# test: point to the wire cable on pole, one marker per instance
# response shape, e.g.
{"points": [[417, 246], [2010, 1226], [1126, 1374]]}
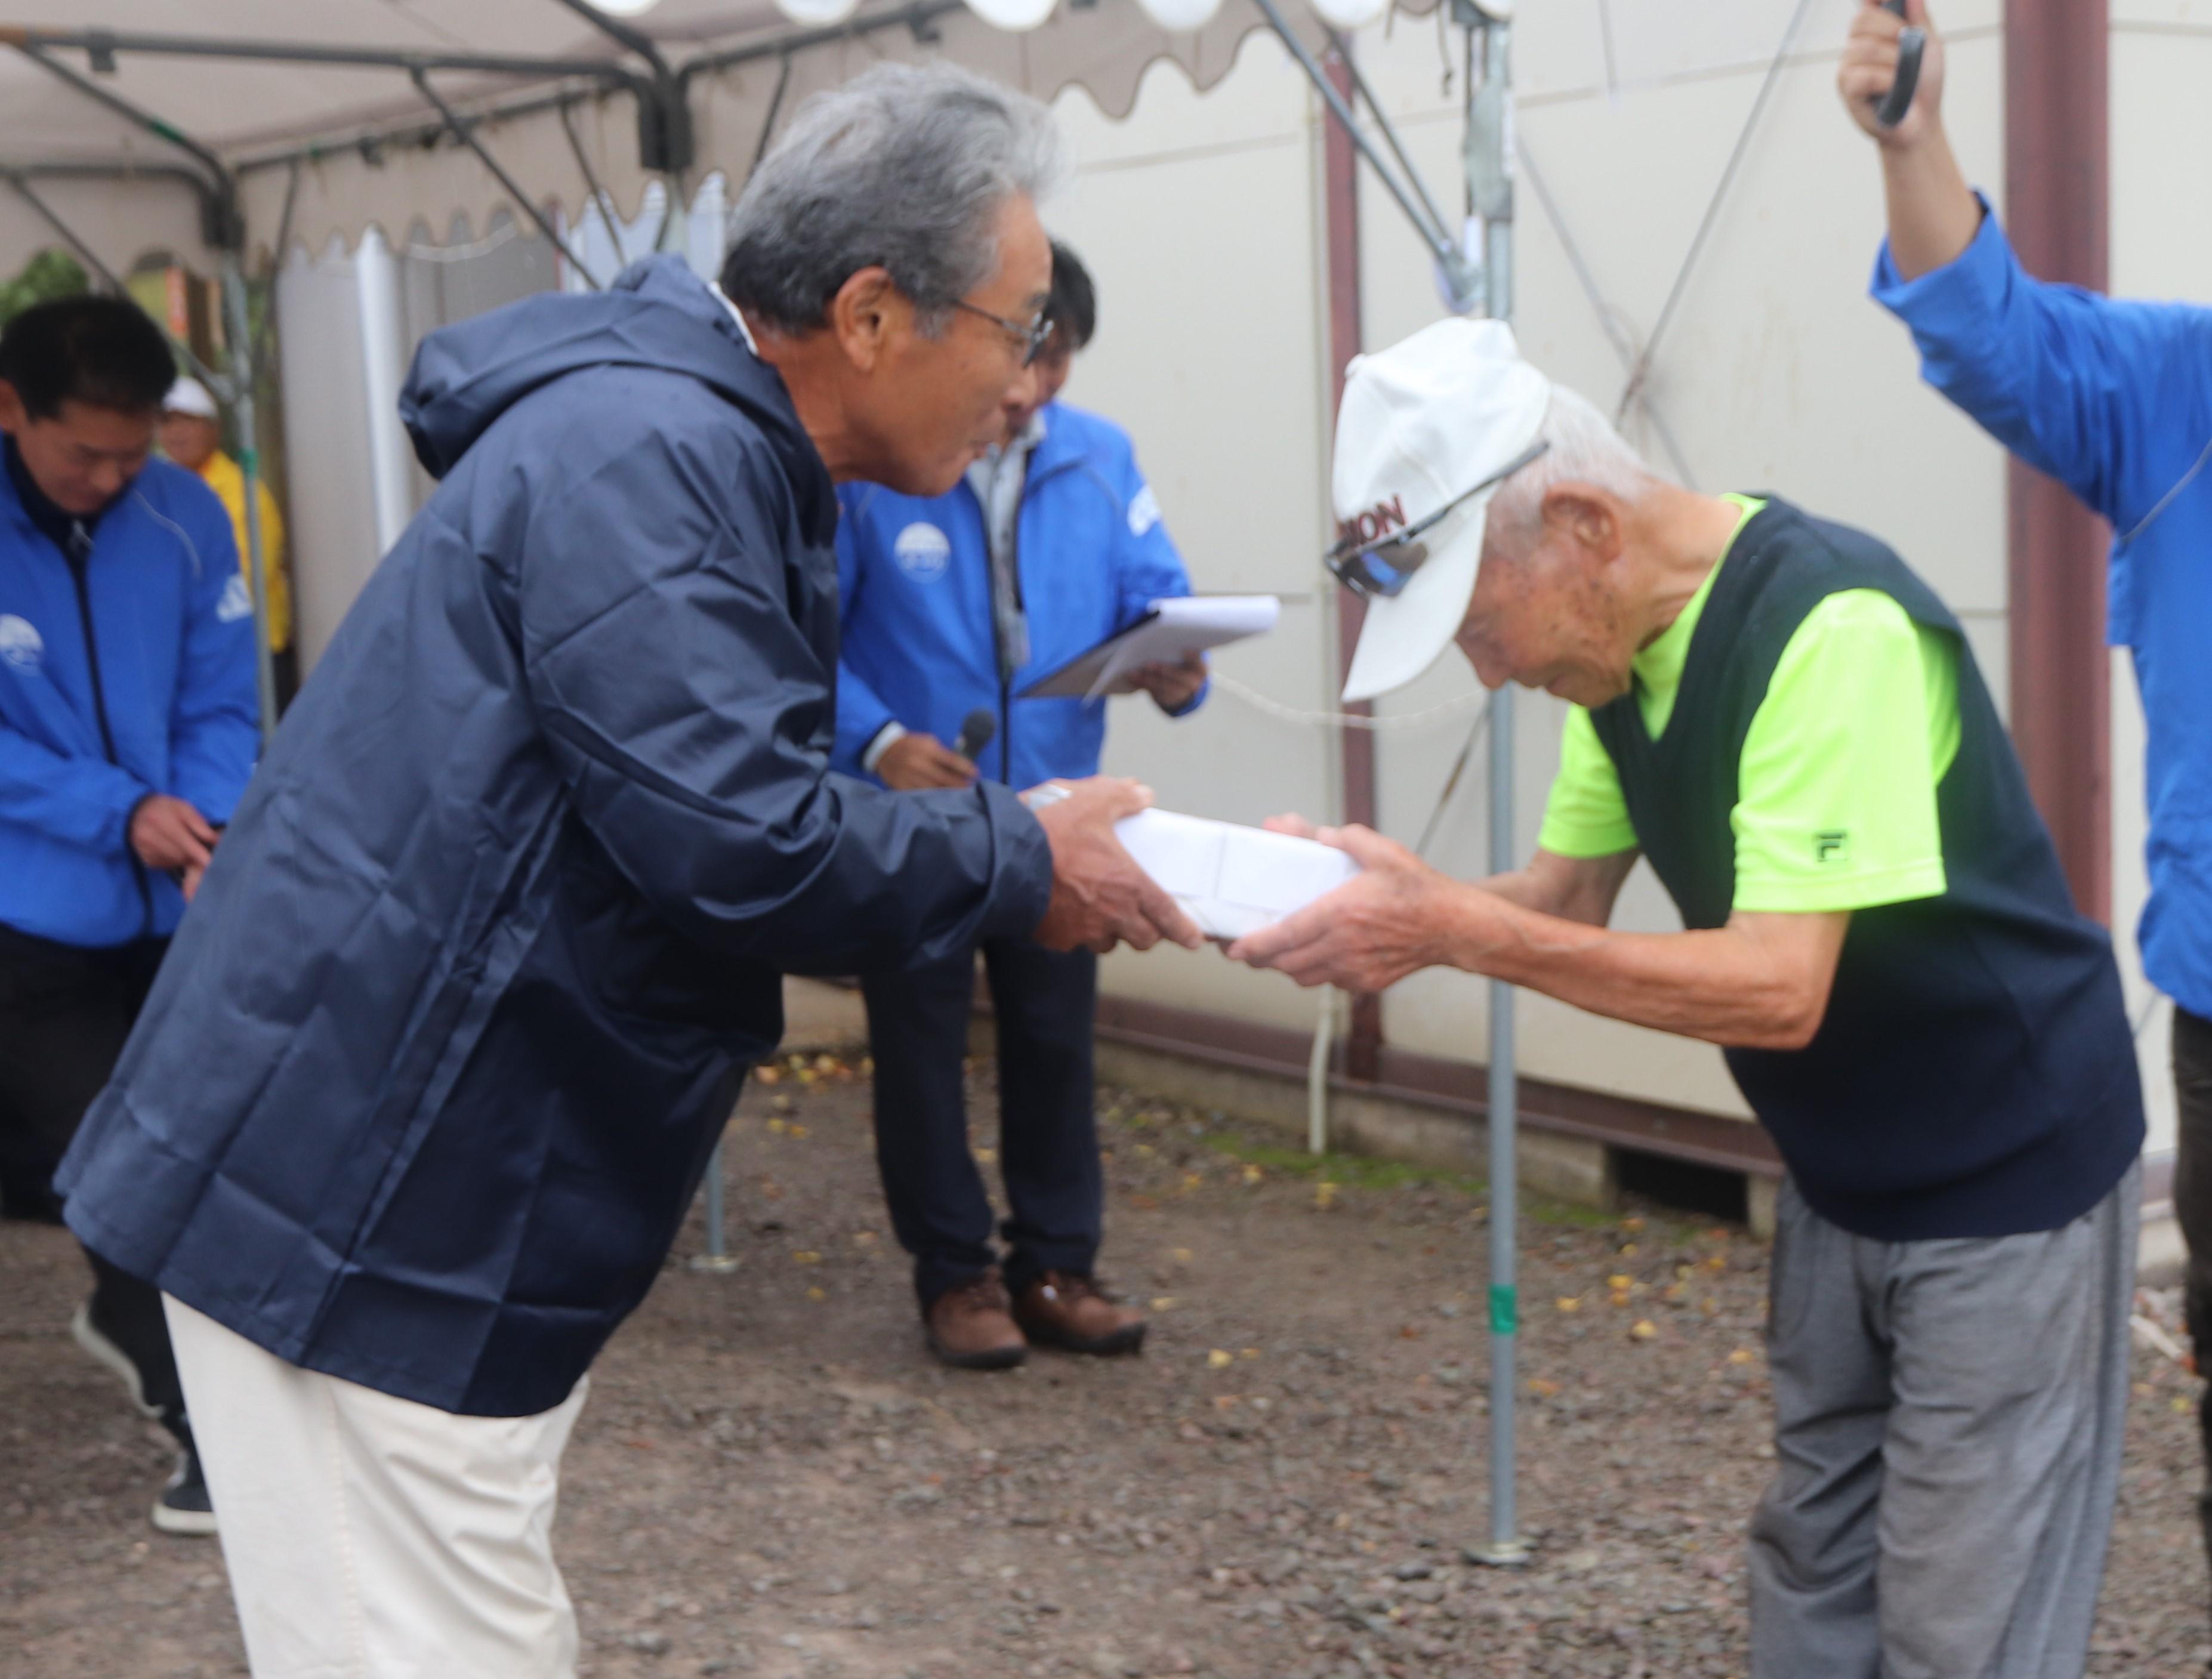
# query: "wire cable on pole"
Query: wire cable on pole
{"points": [[1642, 371], [1609, 319]]}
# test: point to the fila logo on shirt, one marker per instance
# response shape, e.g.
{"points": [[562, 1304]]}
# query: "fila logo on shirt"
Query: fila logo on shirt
{"points": [[922, 552], [1832, 845], [20, 644]]}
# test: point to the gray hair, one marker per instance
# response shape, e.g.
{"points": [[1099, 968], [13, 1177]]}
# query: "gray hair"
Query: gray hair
{"points": [[905, 166], [1584, 449]]}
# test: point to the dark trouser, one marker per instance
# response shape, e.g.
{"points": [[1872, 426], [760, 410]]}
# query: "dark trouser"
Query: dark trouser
{"points": [[65, 1014], [1048, 1128], [2192, 1205]]}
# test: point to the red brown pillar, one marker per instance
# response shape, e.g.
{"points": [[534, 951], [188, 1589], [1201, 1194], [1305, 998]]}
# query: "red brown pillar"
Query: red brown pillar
{"points": [[2057, 211]]}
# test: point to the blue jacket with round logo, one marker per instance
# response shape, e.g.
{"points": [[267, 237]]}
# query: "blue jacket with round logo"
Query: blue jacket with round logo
{"points": [[129, 676], [920, 647]]}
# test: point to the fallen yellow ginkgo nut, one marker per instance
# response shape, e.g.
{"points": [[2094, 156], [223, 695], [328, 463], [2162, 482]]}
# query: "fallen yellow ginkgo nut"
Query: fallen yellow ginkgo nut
{"points": [[1218, 1360], [1645, 1329]]}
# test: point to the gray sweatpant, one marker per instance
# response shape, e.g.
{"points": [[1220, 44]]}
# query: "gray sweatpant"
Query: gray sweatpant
{"points": [[1947, 1423]]}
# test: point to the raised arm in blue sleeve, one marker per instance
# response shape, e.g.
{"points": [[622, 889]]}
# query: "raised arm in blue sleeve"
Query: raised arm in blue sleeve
{"points": [[215, 719], [861, 714], [680, 696], [1149, 567], [2107, 396]]}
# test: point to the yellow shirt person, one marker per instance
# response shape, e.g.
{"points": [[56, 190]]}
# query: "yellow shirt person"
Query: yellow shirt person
{"points": [[191, 435]]}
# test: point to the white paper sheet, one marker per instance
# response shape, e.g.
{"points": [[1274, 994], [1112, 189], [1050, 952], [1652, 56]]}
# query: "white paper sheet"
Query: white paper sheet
{"points": [[1170, 631], [1233, 880]]}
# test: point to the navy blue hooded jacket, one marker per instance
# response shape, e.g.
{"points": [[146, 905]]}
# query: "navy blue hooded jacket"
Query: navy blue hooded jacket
{"points": [[436, 1062]]}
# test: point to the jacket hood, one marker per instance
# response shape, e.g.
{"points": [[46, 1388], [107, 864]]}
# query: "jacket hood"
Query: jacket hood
{"points": [[657, 314]]}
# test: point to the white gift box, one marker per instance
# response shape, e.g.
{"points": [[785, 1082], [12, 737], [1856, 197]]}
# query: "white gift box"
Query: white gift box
{"points": [[1232, 880]]}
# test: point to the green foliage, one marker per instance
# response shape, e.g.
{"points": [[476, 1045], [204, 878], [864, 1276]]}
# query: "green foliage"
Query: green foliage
{"points": [[49, 274]]}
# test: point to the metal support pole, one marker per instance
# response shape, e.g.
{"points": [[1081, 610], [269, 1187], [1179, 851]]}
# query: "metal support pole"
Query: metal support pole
{"points": [[1490, 197], [466, 135], [249, 466], [1458, 271], [717, 1259]]}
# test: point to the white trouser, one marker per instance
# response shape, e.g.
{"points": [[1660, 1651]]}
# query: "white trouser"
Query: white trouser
{"points": [[370, 1537]]}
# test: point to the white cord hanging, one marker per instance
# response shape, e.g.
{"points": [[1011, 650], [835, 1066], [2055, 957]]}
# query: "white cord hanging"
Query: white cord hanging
{"points": [[1290, 713]]}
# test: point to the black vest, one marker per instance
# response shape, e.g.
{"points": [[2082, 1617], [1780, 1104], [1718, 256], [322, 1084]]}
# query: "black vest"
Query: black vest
{"points": [[1974, 1075]]}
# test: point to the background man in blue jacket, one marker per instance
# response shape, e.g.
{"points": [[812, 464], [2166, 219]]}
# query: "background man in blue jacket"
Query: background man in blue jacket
{"points": [[128, 728], [2114, 399], [950, 605], [419, 1103]]}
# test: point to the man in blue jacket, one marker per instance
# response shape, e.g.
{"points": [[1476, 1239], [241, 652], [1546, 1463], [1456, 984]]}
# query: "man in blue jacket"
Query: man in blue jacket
{"points": [[415, 1114], [950, 605], [2113, 398], [127, 732]]}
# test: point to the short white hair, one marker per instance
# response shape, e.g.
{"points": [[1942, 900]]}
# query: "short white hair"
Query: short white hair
{"points": [[1584, 449]]}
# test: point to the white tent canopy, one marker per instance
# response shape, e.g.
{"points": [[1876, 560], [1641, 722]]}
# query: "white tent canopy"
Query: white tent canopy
{"points": [[319, 103]]}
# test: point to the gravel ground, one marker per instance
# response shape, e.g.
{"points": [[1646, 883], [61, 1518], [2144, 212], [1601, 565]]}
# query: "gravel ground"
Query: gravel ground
{"points": [[772, 1478]]}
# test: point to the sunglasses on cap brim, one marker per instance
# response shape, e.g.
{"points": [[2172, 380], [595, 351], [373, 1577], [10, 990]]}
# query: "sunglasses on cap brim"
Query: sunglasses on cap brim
{"points": [[1382, 567]]}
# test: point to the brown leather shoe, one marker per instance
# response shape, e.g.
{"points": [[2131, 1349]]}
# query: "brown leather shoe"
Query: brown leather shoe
{"points": [[1072, 1312], [971, 1328]]}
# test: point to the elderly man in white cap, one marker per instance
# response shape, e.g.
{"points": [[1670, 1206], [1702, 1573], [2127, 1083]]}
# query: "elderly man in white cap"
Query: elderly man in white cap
{"points": [[191, 435], [1785, 721]]}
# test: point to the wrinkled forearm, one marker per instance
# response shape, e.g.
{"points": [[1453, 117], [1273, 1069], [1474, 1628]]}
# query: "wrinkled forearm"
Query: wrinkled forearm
{"points": [[1724, 985]]}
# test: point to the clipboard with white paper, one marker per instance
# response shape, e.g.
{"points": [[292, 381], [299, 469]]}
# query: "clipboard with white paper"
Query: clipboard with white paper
{"points": [[1168, 632]]}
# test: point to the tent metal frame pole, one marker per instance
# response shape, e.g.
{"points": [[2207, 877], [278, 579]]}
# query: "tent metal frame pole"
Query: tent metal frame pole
{"points": [[108, 42], [249, 465], [1459, 273], [921, 17], [462, 132], [1489, 166]]}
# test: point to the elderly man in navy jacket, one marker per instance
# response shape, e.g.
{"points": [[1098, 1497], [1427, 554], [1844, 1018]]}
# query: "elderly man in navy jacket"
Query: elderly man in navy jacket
{"points": [[414, 1117], [950, 605], [127, 732]]}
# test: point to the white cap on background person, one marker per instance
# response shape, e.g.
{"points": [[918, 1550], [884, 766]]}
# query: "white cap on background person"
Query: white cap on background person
{"points": [[189, 395], [1426, 427]]}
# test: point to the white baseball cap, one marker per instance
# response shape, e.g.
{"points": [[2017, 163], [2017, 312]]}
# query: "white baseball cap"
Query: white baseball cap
{"points": [[189, 395], [1427, 428]]}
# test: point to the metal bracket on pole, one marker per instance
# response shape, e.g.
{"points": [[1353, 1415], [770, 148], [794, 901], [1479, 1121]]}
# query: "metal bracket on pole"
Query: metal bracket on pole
{"points": [[664, 114], [1465, 283], [466, 135]]}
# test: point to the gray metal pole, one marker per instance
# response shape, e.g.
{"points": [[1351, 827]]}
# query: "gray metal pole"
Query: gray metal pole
{"points": [[717, 1259], [1490, 193], [249, 466]]}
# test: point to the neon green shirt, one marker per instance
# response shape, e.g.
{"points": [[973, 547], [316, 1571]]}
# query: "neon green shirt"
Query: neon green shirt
{"points": [[1836, 805]]}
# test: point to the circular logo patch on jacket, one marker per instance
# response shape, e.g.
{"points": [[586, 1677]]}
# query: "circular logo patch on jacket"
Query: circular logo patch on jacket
{"points": [[922, 552], [20, 644]]}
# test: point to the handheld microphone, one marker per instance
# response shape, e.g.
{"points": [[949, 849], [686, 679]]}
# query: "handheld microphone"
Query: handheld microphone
{"points": [[975, 733], [1912, 46]]}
